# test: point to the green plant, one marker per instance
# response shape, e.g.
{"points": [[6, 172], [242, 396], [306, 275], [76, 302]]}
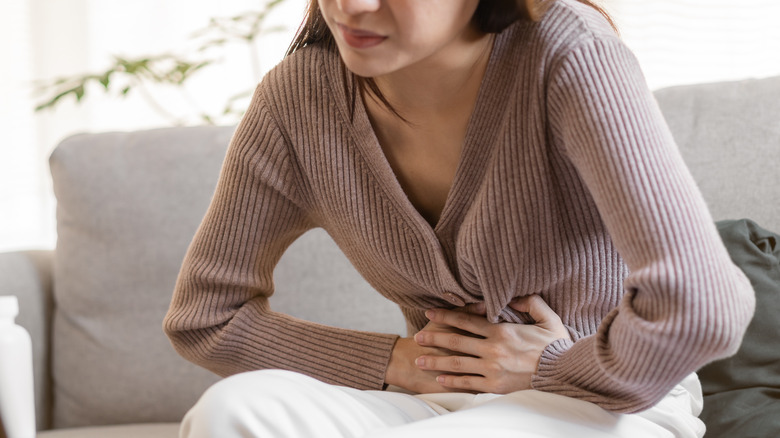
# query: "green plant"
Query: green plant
{"points": [[127, 75]]}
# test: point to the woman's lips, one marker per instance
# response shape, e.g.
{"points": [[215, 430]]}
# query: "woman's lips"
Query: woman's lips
{"points": [[360, 39]]}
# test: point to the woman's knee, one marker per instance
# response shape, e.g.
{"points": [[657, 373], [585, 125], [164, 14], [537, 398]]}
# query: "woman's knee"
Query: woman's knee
{"points": [[241, 402]]}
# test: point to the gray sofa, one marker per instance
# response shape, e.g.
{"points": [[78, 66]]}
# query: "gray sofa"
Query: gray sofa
{"points": [[128, 204]]}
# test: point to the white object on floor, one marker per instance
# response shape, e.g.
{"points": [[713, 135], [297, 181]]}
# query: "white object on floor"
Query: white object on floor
{"points": [[17, 400]]}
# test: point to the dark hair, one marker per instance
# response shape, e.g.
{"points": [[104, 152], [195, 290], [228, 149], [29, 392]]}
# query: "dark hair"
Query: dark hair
{"points": [[491, 16]]}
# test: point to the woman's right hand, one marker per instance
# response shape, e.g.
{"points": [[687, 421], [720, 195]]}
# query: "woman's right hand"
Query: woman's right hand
{"points": [[402, 370]]}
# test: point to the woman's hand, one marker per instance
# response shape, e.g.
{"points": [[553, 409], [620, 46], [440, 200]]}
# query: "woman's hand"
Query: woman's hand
{"points": [[402, 370], [501, 359]]}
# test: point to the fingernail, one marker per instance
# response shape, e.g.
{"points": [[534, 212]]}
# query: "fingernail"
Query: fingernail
{"points": [[420, 361], [440, 379], [430, 314]]}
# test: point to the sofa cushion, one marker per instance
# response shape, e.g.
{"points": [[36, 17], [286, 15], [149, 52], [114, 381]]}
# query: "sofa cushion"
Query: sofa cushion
{"points": [[164, 430], [128, 205], [315, 263], [729, 136]]}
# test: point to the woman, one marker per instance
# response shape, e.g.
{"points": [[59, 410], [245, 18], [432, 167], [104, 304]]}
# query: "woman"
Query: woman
{"points": [[500, 170]]}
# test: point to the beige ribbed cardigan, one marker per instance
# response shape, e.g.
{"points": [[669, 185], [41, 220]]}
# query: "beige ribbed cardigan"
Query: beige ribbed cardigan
{"points": [[570, 186]]}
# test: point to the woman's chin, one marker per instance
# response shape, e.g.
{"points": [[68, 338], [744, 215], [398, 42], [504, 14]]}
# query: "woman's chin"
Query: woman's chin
{"points": [[363, 70], [367, 66]]}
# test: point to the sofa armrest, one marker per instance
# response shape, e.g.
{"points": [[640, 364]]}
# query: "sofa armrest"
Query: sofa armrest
{"points": [[28, 275]]}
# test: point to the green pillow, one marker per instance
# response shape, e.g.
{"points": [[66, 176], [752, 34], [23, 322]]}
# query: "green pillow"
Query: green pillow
{"points": [[742, 392]]}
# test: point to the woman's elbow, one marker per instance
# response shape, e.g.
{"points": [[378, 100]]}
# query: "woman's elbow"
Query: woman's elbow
{"points": [[728, 316], [190, 343]]}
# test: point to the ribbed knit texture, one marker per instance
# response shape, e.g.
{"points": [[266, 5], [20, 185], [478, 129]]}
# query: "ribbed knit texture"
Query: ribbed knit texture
{"points": [[570, 186]]}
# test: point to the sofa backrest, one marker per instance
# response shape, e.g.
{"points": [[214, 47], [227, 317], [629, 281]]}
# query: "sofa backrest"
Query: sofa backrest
{"points": [[729, 135], [129, 204]]}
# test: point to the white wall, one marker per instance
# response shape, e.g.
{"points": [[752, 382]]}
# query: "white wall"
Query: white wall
{"points": [[677, 42], [691, 41], [46, 39], [23, 217]]}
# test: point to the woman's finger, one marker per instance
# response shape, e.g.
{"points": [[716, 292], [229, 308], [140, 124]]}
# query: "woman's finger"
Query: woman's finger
{"points": [[450, 341], [544, 316], [468, 383], [451, 364], [465, 321], [537, 308]]}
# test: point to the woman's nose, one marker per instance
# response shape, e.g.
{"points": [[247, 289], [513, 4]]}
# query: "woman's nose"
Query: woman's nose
{"points": [[354, 7]]}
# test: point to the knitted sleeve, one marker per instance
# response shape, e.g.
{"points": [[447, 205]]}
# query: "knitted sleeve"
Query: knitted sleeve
{"points": [[219, 317], [685, 303]]}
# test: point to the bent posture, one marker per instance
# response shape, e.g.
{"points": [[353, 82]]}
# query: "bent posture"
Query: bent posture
{"points": [[498, 169]]}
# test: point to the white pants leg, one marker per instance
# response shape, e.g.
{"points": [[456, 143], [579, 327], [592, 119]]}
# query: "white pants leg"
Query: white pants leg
{"points": [[281, 404], [535, 414]]}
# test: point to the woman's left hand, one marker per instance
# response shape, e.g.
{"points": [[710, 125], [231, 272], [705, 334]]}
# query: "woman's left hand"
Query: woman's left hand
{"points": [[502, 358]]}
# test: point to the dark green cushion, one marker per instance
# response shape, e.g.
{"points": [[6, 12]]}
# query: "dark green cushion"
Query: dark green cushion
{"points": [[742, 392]]}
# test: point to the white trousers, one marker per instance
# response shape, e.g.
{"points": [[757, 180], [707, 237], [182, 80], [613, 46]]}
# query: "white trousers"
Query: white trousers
{"points": [[283, 404]]}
